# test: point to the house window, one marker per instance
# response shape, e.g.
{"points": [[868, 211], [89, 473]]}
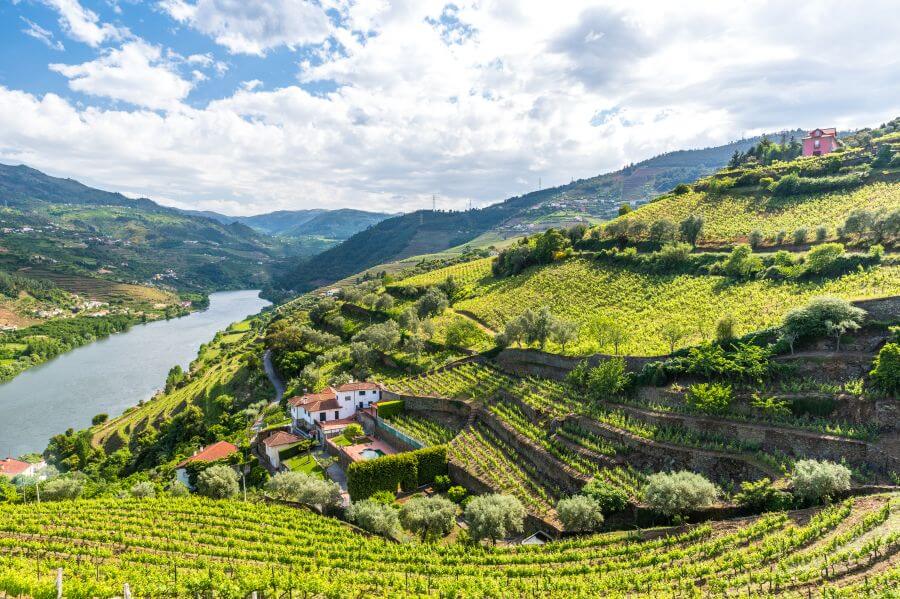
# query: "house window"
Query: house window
{"points": [[336, 414], [817, 143], [323, 416], [362, 392]]}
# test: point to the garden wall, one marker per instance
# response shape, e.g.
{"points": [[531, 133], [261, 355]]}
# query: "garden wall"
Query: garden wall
{"points": [[419, 403]]}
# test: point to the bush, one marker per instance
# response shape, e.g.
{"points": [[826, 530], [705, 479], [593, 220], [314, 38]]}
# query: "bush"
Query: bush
{"points": [[429, 517], [823, 258], [494, 517], [383, 497], [610, 499], [725, 328], [305, 489], [99, 419], [674, 494], [821, 234], [375, 517], [761, 496], [62, 488], [218, 482], [800, 236], [815, 481], [607, 379], [712, 398], [178, 489], [579, 513], [756, 239], [431, 462], [886, 368], [442, 482], [352, 431], [681, 189], [456, 494], [143, 489], [382, 474]]}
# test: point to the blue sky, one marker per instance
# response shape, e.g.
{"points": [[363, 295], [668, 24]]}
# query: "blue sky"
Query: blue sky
{"points": [[245, 107]]}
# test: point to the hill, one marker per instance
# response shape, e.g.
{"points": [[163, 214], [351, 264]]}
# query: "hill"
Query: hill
{"points": [[582, 201], [60, 226]]}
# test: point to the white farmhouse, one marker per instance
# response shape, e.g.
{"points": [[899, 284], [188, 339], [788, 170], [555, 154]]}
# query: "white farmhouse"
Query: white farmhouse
{"points": [[213, 453], [313, 410], [275, 443]]}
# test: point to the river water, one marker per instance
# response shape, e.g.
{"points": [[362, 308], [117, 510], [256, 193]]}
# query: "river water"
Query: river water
{"points": [[110, 375]]}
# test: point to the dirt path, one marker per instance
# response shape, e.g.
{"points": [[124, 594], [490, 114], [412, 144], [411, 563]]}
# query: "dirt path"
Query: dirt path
{"points": [[469, 316]]}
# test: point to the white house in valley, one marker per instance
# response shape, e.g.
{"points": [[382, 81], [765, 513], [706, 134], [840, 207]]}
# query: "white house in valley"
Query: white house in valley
{"points": [[12, 468], [311, 411], [276, 442], [215, 452]]}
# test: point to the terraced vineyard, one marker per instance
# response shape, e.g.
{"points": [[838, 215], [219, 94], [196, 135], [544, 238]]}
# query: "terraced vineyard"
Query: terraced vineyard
{"points": [[466, 273], [425, 430], [732, 217], [182, 547], [645, 303]]}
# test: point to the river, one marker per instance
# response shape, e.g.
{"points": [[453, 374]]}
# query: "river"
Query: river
{"points": [[109, 375]]}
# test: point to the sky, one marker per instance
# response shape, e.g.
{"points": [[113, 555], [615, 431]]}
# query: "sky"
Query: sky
{"points": [[245, 107]]}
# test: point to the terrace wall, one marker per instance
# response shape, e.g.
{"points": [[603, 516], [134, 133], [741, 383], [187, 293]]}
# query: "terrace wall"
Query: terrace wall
{"points": [[525, 362], [425, 403]]}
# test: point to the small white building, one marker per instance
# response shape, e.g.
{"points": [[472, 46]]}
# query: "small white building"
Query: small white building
{"points": [[12, 468], [275, 443], [334, 403], [215, 452]]}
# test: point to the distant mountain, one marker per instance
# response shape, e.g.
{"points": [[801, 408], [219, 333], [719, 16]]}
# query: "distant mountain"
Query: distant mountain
{"points": [[585, 200], [62, 226], [319, 222]]}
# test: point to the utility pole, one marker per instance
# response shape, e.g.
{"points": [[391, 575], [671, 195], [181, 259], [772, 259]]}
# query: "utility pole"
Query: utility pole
{"points": [[37, 489], [539, 183], [244, 481], [433, 204]]}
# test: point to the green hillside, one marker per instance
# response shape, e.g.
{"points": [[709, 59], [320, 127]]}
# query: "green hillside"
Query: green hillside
{"points": [[584, 201]]}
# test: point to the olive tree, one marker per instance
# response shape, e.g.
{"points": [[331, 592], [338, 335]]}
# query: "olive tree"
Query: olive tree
{"points": [[375, 517], [62, 488], [429, 517], [675, 493], [814, 480], [218, 482], [305, 489], [494, 517], [580, 513], [143, 489]]}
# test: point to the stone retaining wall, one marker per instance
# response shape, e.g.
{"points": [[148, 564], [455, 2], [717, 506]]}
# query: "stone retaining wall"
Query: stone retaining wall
{"points": [[885, 309], [524, 362], [424, 403]]}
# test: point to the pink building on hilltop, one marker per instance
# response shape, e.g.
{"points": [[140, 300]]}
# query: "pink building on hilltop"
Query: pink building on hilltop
{"points": [[820, 141]]}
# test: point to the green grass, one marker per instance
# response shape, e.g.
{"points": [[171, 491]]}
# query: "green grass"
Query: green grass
{"points": [[304, 463], [581, 290]]}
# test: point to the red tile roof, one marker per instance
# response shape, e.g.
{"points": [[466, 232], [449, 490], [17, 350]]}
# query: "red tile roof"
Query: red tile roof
{"points": [[11, 467], [828, 131], [216, 451], [316, 402], [333, 424], [280, 438], [358, 386]]}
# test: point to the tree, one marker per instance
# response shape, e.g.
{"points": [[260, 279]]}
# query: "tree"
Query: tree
{"points": [[616, 333], [690, 229], [67, 487], [375, 517], [305, 489], [858, 223], [143, 489], [432, 303], [218, 482], [429, 517], [624, 208], [607, 379], [576, 233], [563, 332], [812, 319], [662, 231], [837, 329], [675, 493], [549, 245], [822, 258], [383, 337], [725, 328], [673, 332], [755, 239], [886, 368], [494, 517], [815, 480], [99, 419], [462, 332], [741, 263], [761, 496], [384, 303], [353, 430], [579, 513], [821, 234], [800, 236]]}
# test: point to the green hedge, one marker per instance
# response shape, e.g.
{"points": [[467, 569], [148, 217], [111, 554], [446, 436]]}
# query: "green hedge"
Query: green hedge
{"points": [[382, 474], [295, 449], [386, 409], [431, 462]]}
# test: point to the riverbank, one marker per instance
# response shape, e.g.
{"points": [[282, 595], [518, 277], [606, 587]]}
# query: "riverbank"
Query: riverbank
{"points": [[110, 375]]}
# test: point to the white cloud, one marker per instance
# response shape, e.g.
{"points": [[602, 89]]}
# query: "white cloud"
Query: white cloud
{"points": [[39, 33], [84, 25], [137, 73], [246, 27], [473, 103]]}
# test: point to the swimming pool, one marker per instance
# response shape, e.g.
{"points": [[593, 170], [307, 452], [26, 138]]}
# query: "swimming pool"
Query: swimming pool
{"points": [[370, 454]]}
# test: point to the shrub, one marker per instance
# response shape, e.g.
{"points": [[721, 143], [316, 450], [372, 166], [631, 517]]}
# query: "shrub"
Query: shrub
{"points": [[382, 474], [305, 489], [494, 517], [442, 482], [756, 239], [800, 236], [675, 493], [62, 488], [740, 263], [681, 189], [429, 517], [99, 419], [579, 513], [375, 517], [725, 328], [218, 482], [456, 494], [712, 398], [352, 431], [383, 497], [178, 489], [817, 480], [761, 496], [607, 379], [886, 368], [823, 258], [431, 462], [812, 320], [821, 234], [610, 499], [143, 489]]}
